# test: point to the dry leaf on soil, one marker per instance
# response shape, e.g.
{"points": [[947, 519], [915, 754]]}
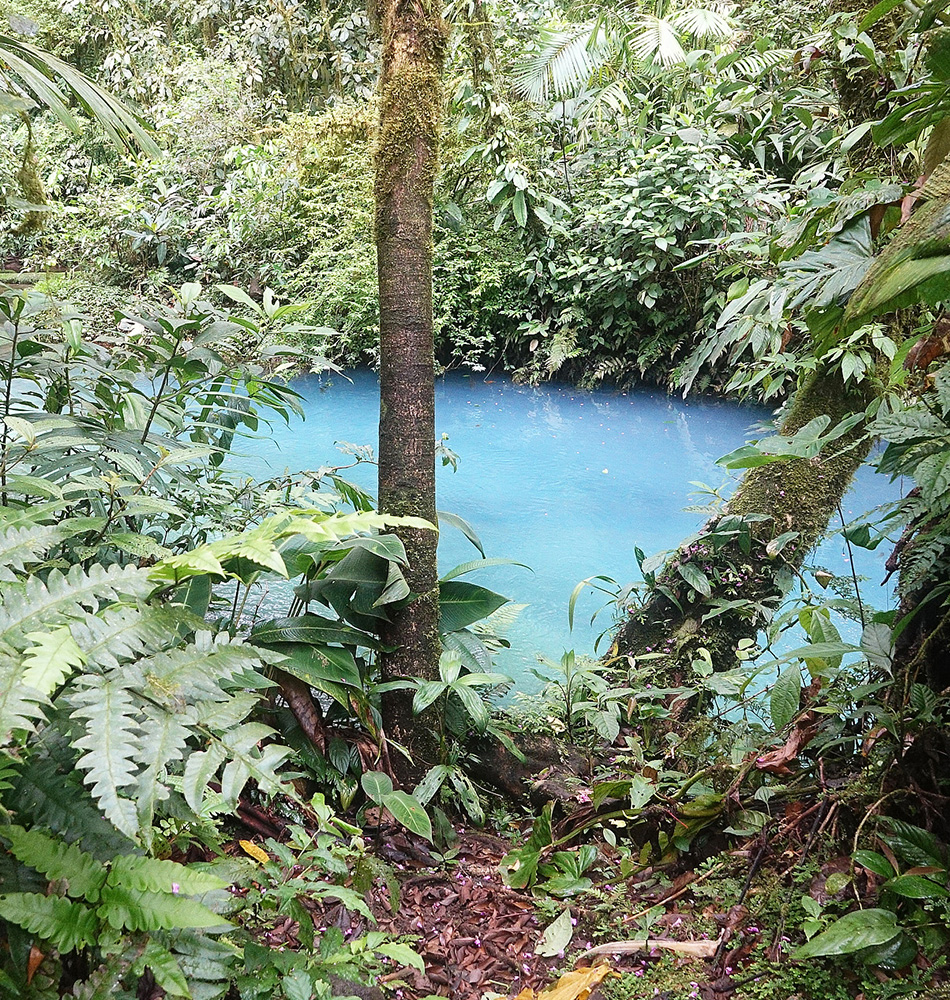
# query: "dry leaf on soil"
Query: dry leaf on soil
{"points": [[571, 986]]}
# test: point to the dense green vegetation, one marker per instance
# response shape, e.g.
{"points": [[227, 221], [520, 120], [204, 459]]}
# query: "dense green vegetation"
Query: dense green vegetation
{"points": [[749, 202]]}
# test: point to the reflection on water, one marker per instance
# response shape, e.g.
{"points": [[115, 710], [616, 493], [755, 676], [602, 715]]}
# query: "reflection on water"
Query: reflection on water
{"points": [[564, 480]]}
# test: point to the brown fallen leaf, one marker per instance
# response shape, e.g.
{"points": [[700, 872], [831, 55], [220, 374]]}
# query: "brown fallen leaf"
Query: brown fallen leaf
{"points": [[33, 963], [691, 949], [571, 986]]}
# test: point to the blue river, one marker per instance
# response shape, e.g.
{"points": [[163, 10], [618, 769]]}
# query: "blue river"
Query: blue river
{"points": [[564, 480]]}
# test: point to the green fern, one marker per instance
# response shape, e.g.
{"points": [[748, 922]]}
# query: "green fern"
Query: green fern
{"points": [[68, 925], [57, 860], [38, 602], [110, 744]]}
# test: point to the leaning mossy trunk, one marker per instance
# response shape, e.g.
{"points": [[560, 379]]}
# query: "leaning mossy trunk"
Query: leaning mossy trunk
{"points": [[732, 557], [410, 112]]}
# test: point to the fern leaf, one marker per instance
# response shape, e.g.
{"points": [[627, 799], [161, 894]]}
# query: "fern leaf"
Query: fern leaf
{"points": [[110, 746], [148, 875], [50, 660], [200, 768], [195, 673], [19, 705], [165, 969], [37, 602], [68, 925], [57, 860], [120, 634], [163, 740], [49, 792], [261, 764], [22, 546], [233, 780], [142, 910]]}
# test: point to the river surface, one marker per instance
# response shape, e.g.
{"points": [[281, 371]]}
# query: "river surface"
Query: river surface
{"points": [[564, 480]]}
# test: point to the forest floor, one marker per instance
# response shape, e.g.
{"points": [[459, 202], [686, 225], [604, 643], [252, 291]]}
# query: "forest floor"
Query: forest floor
{"points": [[721, 930]]}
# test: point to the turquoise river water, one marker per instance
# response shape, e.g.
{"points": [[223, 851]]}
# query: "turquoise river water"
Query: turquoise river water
{"points": [[563, 480]]}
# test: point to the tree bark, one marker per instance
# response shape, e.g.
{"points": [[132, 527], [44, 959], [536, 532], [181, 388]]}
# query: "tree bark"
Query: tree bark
{"points": [[410, 112], [797, 495]]}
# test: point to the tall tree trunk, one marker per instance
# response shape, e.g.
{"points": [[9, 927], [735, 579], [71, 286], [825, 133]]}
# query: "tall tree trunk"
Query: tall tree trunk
{"points": [[410, 112], [798, 495]]}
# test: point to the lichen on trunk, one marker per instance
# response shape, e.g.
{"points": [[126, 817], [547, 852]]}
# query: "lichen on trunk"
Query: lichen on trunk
{"points": [[406, 160]]}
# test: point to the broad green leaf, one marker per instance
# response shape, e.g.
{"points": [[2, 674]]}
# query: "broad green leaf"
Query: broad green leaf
{"points": [[520, 209], [434, 779], [474, 705], [786, 697], [376, 785], [310, 628], [426, 694], [462, 604], [407, 811], [470, 567], [874, 862], [853, 932], [402, 954], [454, 521], [695, 577], [916, 887], [320, 666]]}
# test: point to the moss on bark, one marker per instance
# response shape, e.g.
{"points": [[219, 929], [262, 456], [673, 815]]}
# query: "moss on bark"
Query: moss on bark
{"points": [[406, 161], [799, 495]]}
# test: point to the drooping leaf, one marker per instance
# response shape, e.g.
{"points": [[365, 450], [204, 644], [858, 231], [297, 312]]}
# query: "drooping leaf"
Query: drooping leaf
{"points": [[785, 698]]}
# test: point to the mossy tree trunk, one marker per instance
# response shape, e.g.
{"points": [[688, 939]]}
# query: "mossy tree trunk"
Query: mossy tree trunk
{"points": [[799, 495], [410, 111]]}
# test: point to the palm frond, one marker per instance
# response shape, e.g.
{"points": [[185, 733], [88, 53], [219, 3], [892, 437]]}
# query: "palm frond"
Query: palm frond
{"points": [[36, 72], [702, 22], [655, 40], [566, 59]]}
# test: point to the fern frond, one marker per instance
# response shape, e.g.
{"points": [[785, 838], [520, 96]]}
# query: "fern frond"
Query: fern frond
{"points": [[163, 741], [142, 910], [149, 875], [19, 705], [68, 925], [110, 744], [196, 672], [165, 968], [57, 860], [37, 601], [124, 633], [200, 768], [50, 660], [21, 546], [262, 763]]}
